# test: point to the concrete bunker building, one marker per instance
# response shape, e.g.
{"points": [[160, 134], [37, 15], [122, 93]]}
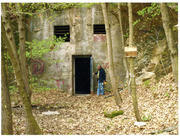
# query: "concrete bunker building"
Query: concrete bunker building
{"points": [[84, 48]]}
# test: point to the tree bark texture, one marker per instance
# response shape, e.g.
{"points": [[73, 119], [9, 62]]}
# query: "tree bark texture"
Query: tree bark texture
{"points": [[168, 28], [6, 112], [17, 68], [118, 98], [23, 61], [131, 61], [122, 40]]}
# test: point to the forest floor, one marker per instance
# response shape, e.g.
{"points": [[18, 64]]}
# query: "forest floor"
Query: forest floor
{"points": [[84, 115]]}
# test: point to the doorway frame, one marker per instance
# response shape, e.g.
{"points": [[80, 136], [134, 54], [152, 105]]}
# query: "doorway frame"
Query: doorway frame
{"points": [[73, 73]]}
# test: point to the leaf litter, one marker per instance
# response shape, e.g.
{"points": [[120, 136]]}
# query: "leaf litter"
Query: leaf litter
{"points": [[83, 115]]}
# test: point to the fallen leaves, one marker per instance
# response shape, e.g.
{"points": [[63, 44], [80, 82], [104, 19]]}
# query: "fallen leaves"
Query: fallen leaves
{"points": [[83, 115]]}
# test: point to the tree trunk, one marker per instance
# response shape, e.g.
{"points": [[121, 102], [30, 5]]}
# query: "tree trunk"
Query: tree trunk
{"points": [[17, 68], [168, 28], [110, 55], [6, 114], [23, 61], [29, 39], [131, 61], [122, 40]]}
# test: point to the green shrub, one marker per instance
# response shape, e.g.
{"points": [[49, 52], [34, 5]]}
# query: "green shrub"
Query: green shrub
{"points": [[145, 119], [167, 94], [146, 83]]}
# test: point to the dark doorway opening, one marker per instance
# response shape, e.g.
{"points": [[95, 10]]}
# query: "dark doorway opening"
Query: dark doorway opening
{"points": [[82, 75]]}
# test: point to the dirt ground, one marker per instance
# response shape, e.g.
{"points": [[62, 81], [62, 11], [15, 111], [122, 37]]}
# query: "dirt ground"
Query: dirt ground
{"points": [[83, 115]]}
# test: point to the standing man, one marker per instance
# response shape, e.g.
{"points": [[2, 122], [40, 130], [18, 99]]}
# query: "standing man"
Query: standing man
{"points": [[101, 78]]}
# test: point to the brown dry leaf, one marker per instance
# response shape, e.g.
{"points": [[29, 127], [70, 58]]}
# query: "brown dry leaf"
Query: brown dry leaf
{"points": [[83, 115]]}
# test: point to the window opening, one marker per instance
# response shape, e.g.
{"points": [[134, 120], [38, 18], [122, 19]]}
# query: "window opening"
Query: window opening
{"points": [[62, 31], [99, 29]]}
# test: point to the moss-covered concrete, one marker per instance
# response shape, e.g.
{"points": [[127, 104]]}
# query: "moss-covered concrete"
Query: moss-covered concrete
{"points": [[82, 42], [113, 113]]}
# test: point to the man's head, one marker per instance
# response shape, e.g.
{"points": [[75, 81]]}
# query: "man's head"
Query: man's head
{"points": [[99, 67]]}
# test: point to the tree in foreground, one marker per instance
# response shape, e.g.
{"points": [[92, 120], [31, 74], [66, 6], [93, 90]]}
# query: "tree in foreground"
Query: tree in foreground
{"points": [[6, 115], [118, 98], [33, 127], [131, 62], [122, 43], [168, 28]]}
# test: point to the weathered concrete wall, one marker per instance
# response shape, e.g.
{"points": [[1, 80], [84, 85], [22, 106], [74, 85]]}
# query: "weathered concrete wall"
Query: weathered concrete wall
{"points": [[82, 42]]}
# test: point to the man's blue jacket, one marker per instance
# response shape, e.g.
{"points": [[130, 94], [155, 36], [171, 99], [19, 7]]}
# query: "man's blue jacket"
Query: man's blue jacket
{"points": [[102, 75]]}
